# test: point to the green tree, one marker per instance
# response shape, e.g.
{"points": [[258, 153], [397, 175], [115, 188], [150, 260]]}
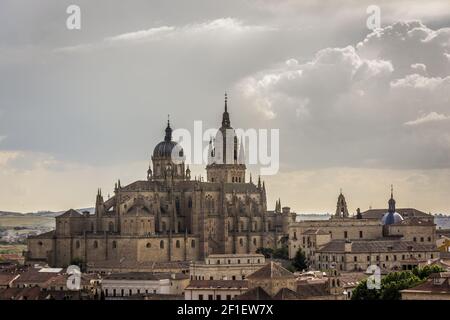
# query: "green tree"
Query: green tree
{"points": [[299, 262], [393, 283], [267, 252], [281, 253]]}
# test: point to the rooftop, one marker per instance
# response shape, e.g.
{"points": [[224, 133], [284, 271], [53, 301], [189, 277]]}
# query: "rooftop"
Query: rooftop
{"points": [[271, 270]]}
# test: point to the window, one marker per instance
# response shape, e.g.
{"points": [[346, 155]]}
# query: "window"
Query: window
{"points": [[219, 297], [429, 239], [114, 244], [421, 239], [355, 258], [415, 239], [77, 244], [111, 227], [387, 258], [148, 245], [254, 241], [360, 234], [192, 243], [395, 257], [161, 244], [368, 258], [345, 234], [241, 242], [177, 244], [200, 297], [95, 244], [210, 297], [228, 296]]}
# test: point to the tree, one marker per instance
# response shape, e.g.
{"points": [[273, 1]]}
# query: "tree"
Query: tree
{"points": [[299, 262], [281, 253], [393, 283], [267, 252]]}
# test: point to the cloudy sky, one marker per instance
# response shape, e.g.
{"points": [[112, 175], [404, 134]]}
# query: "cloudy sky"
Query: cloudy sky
{"points": [[357, 109]]}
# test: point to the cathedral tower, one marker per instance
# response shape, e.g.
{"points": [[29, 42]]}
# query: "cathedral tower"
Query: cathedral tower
{"points": [[225, 159]]}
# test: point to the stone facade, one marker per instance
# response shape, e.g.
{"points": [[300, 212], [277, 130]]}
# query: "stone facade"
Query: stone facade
{"points": [[354, 243], [226, 266], [169, 216]]}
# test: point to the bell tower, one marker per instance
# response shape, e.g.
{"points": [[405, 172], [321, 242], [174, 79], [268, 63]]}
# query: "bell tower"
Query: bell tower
{"points": [[225, 158]]}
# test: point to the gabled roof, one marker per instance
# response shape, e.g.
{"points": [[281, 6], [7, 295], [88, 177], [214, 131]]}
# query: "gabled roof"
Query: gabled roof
{"points": [[287, 294], [257, 293], [270, 271], [70, 213]]}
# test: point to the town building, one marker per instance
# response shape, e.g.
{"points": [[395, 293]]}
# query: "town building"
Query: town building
{"points": [[226, 266], [386, 238], [143, 283], [215, 289]]}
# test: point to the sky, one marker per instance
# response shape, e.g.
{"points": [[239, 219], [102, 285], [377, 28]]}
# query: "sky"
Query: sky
{"points": [[357, 109]]}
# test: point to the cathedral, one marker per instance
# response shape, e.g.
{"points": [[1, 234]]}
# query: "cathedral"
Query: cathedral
{"points": [[170, 217]]}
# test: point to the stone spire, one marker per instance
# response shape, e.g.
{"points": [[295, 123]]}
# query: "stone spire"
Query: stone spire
{"points": [[391, 201], [168, 136], [226, 116]]}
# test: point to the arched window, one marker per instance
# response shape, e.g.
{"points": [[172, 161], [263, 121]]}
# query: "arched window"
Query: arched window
{"points": [[254, 241], [192, 243], [161, 244], [114, 244], [148, 245], [95, 244], [77, 244], [177, 244], [241, 242]]}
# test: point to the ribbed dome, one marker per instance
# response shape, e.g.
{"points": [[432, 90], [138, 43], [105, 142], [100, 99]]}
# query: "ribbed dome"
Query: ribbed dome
{"points": [[164, 149], [391, 218], [168, 148]]}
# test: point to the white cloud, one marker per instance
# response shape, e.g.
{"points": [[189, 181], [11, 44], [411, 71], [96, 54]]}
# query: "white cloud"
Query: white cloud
{"points": [[348, 106], [223, 27], [431, 117]]}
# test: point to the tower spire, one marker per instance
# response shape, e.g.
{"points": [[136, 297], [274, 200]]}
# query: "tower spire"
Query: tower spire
{"points": [[226, 116], [168, 136], [392, 191]]}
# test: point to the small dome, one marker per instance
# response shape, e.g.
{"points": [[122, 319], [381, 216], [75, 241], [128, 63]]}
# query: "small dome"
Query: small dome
{"points": [[391, 218]]}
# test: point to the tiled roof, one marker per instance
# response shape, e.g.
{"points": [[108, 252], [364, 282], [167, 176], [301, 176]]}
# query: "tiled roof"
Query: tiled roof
{"points": [[287, 294], [218, 284], [312, 288], [7, 278], [376, 246], [70, 213], [30, 293], [271, 270], [33, 276], [405, 212], [430, 287], [257, 293], [145, 276]]}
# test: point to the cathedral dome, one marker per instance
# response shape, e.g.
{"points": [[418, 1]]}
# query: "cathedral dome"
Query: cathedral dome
{"points": [[168, 148], [391, 218], [165, 149]]}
